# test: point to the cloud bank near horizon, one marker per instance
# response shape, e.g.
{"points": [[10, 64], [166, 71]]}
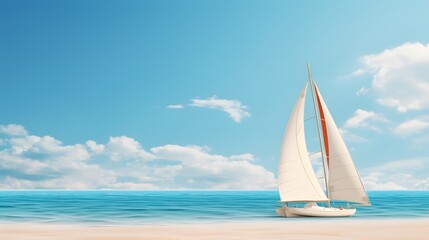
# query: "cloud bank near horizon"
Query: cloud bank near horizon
{"points": [[43, 162]]}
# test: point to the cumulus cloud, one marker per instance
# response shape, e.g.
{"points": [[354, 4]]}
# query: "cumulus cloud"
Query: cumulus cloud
{"points": [[234, 108], [400, 76], [365, 119], [28, 162], [44, 162], [13, 129], [242, 157], [94, 147], [362, 119], [120, 148], [47, 147], [411, 127], [397, 175], [375, 181], [201, 169]]}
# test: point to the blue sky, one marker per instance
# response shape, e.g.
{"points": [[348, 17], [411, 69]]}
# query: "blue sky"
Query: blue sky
{"points": [[87, 85]]}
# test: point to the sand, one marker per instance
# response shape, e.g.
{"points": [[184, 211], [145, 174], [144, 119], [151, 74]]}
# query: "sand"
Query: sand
{"points": [[302, 229]]}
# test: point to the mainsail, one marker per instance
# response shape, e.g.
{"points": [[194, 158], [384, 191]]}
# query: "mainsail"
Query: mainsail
{"points": [[296, 180], [344, 182]]}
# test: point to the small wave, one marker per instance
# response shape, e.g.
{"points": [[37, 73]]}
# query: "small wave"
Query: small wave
{"points": [[143, 207]]}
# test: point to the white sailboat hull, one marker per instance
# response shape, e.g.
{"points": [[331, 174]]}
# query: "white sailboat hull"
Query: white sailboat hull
{"points": [[315, 211]]}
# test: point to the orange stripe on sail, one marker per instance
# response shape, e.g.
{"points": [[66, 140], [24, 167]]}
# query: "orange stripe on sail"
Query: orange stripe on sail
{"points": [[323, 123]]}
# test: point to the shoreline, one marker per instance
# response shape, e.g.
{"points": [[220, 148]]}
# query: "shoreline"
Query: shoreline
{"points": [[185, 222], [303, 229]]}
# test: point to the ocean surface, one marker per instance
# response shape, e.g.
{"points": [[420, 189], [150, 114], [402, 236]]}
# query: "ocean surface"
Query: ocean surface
{"points": [[164, 207]]}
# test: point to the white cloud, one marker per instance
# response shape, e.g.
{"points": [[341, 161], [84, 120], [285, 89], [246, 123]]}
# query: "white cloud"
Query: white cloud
{"points": [[402, 174], [94, 147], [200, 169], [48, 147], [242, 157], [44, 162], [374, 181], [120, 148], [234, 108], [362, 119], [365, 119], [175, 106], [411, 127], [122, 163], [13, 129], [315, 158], [358, 72], [400, 76], [131, 185], [422, 184]]}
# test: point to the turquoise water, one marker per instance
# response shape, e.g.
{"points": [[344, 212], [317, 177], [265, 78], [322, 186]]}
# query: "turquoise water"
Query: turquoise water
{"points": [[145, 207]]}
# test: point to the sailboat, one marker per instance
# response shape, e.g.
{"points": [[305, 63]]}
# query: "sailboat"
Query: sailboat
{"points": [[297, 181]]}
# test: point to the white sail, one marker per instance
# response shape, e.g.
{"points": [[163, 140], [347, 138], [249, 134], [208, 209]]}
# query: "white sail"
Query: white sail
{"points": [[344, 181], [296, 180]]}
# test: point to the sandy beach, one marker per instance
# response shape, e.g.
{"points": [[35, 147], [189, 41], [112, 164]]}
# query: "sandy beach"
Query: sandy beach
{"points": [[331, 229]]}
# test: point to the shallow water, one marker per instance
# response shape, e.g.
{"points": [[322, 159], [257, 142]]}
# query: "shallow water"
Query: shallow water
{"points": [[146, 207]]}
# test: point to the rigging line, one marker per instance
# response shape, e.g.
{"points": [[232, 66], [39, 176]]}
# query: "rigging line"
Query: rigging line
{"points": [[310, 118], [318, 118]]}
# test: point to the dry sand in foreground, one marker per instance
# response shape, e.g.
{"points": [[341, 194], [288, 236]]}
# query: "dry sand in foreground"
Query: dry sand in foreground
{"points": [[302, 229]]}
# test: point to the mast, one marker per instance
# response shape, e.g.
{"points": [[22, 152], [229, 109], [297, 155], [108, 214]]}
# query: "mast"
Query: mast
{"points": [[310, 78]]}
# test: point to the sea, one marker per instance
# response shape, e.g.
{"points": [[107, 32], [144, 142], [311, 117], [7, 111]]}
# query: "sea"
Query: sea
{"points": [[111, 207]]}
